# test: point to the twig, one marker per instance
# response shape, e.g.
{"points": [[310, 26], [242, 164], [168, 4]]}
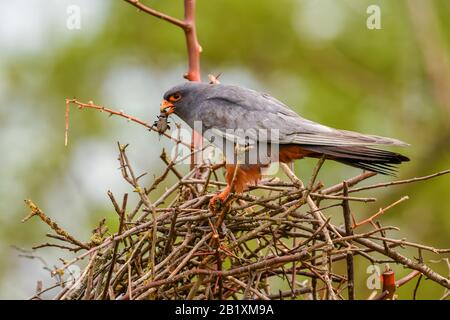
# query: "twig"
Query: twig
{"points": [[35, 211], [399, 182], [91, 105], [380, 212], [158, 14]]}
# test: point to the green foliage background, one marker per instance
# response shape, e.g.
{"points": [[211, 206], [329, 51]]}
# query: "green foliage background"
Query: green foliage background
{"points": [[317, 56]]}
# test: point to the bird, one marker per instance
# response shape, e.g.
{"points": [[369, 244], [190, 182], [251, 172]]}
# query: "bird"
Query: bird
{"points": [[225, 111]]}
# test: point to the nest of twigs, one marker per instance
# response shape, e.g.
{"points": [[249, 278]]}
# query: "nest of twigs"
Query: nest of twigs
{"points": [[174, 247]]}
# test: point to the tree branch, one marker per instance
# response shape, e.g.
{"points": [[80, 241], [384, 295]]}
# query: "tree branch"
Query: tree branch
{"points": [[157, 14], [193, 50]]}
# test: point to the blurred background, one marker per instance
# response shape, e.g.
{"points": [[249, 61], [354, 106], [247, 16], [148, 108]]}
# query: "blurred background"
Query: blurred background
{"points": [[317, 56]]}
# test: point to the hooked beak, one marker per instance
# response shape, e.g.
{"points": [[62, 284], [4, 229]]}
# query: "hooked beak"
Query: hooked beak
{"points": [[167, 107]]}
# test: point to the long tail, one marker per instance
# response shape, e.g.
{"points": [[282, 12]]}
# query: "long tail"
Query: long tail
{"points": [[366, 158]]}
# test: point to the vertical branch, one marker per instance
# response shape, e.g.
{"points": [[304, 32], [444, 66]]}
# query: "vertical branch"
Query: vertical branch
{"points": [[121, 213], [193, 47], [314, 291], [193, 51], [193, 74], [349, 232], [389, 286]]}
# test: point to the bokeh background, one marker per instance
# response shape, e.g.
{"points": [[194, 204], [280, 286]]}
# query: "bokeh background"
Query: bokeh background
{"points": [[317, 56]]}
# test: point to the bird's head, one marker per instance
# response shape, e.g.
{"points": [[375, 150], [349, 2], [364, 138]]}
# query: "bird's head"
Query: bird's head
{"points": [[181, 98]]}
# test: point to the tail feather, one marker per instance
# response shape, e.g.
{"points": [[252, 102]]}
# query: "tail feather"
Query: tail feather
{"points": [[366, 158], [375, 167]]}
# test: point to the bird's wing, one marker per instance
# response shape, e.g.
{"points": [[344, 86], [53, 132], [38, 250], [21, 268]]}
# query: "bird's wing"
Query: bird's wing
{"points": [[259, 117]]}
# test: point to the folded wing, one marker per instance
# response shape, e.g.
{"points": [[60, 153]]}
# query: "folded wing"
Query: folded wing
{"points": [[257, 115]]}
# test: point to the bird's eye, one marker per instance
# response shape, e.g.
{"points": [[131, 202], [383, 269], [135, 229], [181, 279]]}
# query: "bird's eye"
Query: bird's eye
{"points": [[175, 97]]}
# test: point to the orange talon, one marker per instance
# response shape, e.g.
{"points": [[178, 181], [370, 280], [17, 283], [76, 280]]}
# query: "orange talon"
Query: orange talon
{"points": [[218, 201]]}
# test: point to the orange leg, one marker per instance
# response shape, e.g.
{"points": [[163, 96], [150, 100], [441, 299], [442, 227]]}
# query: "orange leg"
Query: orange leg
{"points": [[244, 176], [217, 201], [248, 174]]}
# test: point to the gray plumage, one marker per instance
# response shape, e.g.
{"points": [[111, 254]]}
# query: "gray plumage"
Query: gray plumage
{"points": [[221, 107]]}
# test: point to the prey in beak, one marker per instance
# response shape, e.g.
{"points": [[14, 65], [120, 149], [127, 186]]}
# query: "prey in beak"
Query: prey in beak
{"points": [[167, 107], [162, 125]]}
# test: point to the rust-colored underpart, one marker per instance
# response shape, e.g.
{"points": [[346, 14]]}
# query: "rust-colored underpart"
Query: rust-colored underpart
{"points": [[250, 174]]}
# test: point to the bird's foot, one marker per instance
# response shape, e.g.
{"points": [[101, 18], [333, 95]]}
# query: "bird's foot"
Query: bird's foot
{"points": [[219, 201]]}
